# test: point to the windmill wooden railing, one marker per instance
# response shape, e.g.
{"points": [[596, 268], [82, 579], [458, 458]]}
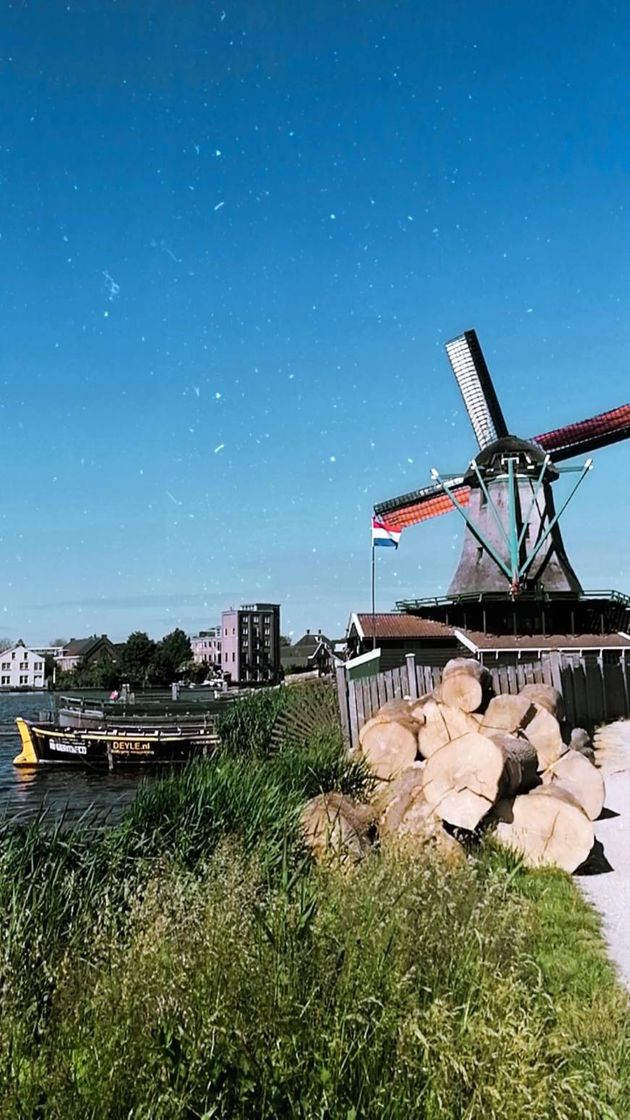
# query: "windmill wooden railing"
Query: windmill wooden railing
{"points": [[594, 690]]}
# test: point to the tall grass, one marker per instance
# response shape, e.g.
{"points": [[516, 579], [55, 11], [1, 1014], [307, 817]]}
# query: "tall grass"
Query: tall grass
{"points": [[192, 963], [246, 726]]}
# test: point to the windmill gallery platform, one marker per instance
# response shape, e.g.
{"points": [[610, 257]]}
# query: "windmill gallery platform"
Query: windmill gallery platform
{"points": [[514, 593]]}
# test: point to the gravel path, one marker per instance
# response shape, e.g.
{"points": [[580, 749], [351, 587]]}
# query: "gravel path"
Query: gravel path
{"points": [[609, 891]]}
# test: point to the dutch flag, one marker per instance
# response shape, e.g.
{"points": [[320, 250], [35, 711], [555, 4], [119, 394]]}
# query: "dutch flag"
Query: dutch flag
{"points": [[384, 535]]}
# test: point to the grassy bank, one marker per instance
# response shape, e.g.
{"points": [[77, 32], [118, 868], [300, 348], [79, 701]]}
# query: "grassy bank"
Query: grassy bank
{"points": [[192, 963]]}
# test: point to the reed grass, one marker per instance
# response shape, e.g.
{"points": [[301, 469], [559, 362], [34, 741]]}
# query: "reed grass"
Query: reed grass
{"points": [[191, 962]]}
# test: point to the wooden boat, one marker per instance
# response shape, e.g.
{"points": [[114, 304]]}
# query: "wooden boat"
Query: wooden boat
{"points": [[77, 712], [111, 747]]}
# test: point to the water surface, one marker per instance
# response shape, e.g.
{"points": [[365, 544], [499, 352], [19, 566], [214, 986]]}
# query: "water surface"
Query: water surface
{"points": [[57, 791]]}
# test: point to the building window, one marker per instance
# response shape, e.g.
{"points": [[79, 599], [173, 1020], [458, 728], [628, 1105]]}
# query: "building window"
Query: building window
{"points": [[6, 664], [24, 680], [39, 665], [233, 656], [6, 680], [225, 659], [23, 665]]}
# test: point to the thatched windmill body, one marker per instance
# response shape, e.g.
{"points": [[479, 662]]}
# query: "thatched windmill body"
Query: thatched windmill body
{"points": [[512, 550]]}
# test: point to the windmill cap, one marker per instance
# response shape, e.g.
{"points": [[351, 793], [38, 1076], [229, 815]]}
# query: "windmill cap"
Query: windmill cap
{"points": [[531, 458]]}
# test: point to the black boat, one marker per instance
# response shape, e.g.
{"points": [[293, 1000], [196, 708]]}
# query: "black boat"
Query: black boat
{"points": [[112, 747]]}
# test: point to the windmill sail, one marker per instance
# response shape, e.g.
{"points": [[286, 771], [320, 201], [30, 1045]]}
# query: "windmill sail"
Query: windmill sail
{"points": [[473, 377], [586, 435], [420, 505]]}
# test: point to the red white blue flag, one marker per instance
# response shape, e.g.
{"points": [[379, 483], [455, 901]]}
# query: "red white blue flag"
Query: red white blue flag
{"points": [[384, 534]]}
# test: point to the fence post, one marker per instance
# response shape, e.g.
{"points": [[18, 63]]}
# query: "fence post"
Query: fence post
{"points": [[344, 711], [410, 658], [555, 666]]}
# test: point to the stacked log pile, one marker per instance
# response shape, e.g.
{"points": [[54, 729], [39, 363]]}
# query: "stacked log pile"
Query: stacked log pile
{"points": [[461, 759]]}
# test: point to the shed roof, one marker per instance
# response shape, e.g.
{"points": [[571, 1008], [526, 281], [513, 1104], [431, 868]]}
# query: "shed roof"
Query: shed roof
{"points": [[399, 626], [476, 640]]}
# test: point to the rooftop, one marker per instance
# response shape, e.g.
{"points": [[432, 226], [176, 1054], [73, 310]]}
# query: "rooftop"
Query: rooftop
{"points": [[399, 626], [476, 640]]}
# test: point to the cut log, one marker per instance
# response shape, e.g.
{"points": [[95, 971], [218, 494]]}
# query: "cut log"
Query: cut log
{"points": [[333, 826], [584, 781], [389, 745], [392, 802], [411, 823], [441, 725], [507, 713], [546, 828], [399, 706], [465, 778], [547, 696], [387, 792], [543, 732], [463, 682]]}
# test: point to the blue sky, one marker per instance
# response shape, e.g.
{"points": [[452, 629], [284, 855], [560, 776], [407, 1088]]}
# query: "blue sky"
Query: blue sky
{"points": [[234, 238]]}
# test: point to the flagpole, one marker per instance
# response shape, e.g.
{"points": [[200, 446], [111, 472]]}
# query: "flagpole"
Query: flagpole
{"points": [[373, 619]]}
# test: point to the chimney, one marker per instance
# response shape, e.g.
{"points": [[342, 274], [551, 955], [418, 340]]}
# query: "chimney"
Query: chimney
{"points": [[308, 631]]}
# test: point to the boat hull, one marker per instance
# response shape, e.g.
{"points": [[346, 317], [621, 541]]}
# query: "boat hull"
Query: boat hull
{"points": [[109, 749]]}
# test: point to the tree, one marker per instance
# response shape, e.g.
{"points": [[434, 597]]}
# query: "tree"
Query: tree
{"points": [[284, 641], [161, 671], [136, 657], [58, 643], [177, 647], [6, 643]]}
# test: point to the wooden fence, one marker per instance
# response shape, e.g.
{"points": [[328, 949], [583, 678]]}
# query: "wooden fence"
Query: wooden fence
{"points": [[594, 692]]}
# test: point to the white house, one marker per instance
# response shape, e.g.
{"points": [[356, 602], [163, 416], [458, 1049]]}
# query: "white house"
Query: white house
{"points": [[206, 646], [21, 668]]}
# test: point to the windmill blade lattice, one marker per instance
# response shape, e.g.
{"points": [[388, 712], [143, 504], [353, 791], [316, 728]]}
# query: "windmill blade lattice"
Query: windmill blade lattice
{"points": [[420, 505], [473, 377], [587, 435]]}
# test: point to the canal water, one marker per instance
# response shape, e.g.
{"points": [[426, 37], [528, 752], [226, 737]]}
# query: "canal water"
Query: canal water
{"points": [[97, 797]]}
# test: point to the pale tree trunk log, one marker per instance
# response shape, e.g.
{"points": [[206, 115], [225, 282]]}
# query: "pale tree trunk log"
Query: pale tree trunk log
{"points": [[388, 745], [441, 724], [584, 781], [466, 777], [543, 732], [546, 827], [409, 822], [391, 801], [547, 696], [335, 827], [463, 684], [507, 713], [399, 706], [386, 792]]}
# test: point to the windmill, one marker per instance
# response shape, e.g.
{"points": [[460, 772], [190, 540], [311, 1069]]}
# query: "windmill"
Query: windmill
{"points": [[512, 549]]}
